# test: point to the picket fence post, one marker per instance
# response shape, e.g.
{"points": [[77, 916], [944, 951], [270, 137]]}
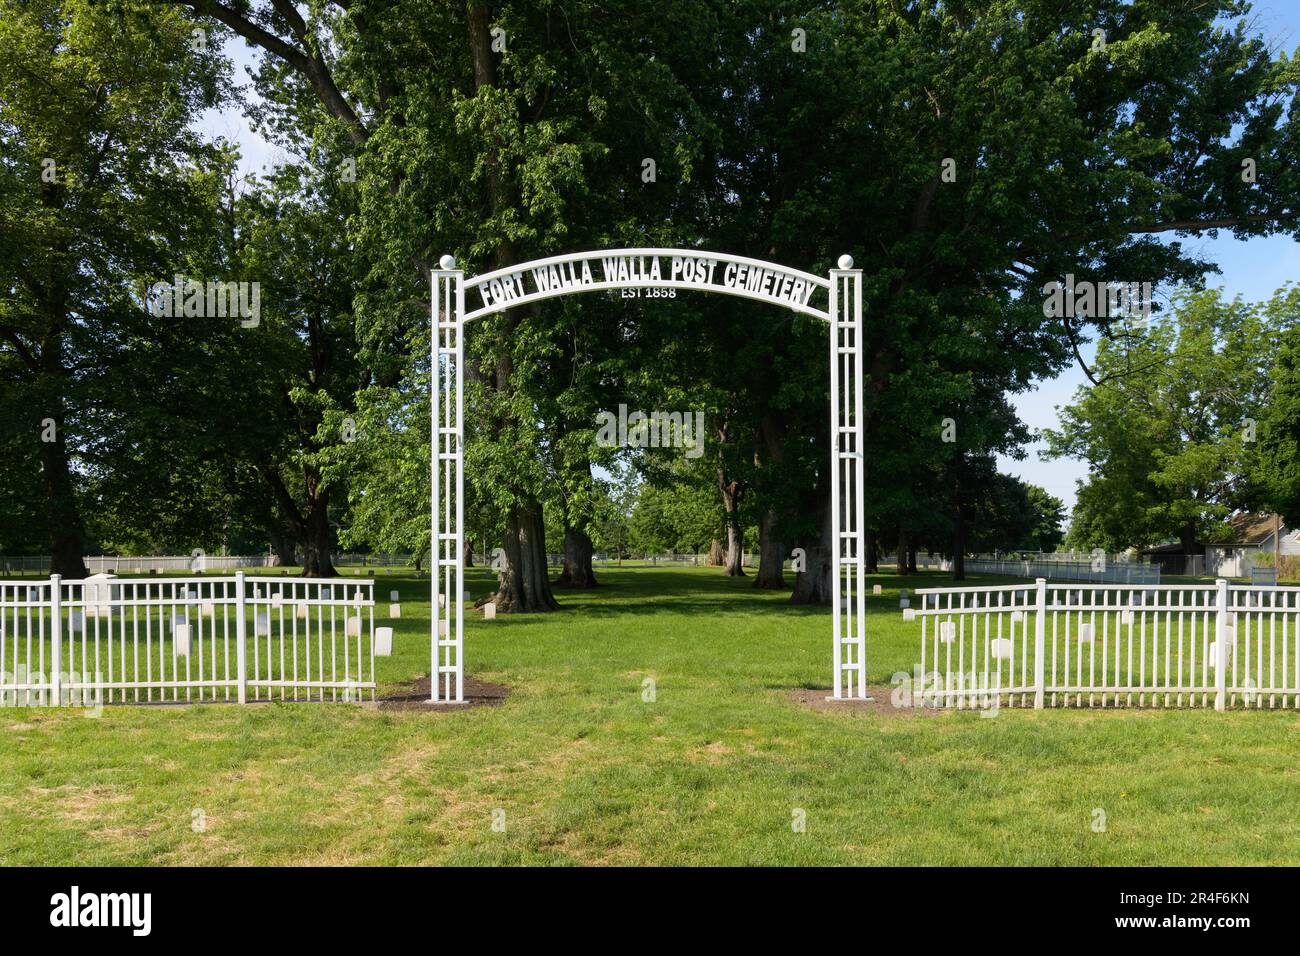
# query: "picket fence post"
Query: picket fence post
{"points": [[56, 632], [1221, 644], [240, 634], [1040, 636]]}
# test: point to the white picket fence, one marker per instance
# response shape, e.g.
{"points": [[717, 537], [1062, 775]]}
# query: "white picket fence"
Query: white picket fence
{"points": [[1046, 644], [110, 640]]}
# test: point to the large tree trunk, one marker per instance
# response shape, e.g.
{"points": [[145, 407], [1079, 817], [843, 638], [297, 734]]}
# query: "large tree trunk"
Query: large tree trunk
{"points": [[904, 550], [1187, 537], [312, 527], [734, 563], [577, 571], [523, 583], [813, 584], [316, 542], [770, 452], [959, 542], [67, 534], [771, 556], [716, 556], [873, 553], [283, 552]]}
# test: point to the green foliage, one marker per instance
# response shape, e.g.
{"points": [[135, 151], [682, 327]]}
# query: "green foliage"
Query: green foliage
{"points": [[1275, 467], [1047, 517], [1166, 433], [102, 183], [682, 518]]}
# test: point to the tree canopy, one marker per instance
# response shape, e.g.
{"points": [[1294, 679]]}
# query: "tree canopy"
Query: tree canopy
{"points": [[966, 155]]}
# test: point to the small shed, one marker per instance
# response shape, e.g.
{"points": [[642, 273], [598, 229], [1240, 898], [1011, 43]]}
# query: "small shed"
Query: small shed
{"points": [[1251, 534]]}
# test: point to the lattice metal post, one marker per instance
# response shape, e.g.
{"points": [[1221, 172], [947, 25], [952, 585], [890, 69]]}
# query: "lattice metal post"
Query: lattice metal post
{"points": [[848, 532], [447, 478]]}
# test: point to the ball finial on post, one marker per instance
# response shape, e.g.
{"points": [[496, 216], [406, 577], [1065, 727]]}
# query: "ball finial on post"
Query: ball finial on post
{"points": [[846, 262], [447, 262]]}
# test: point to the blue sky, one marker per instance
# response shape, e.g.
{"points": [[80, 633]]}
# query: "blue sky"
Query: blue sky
{"points": [[1253, 269]]}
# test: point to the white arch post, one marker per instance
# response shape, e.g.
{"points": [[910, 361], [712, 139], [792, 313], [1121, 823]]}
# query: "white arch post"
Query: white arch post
{"points": [[447, 477], [645, 269], [848, 532]]}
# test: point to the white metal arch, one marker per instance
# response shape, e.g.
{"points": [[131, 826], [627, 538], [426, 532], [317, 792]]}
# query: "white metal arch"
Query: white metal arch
{"points": [[485, 281], [645, 268]]}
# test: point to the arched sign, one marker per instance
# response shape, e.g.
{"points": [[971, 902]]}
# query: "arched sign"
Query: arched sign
{"points": [[836, 299], [648, 269]]}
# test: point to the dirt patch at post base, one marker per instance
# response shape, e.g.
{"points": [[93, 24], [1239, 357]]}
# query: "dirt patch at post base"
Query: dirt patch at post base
{"points": [[814, 698], [414, 695]]}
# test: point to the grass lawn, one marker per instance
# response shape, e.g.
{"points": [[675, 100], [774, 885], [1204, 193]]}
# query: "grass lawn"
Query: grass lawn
{"points": [[582, 770]]}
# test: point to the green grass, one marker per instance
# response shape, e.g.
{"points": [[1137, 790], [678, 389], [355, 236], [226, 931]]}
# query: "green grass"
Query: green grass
{"points": [[587, 772]]}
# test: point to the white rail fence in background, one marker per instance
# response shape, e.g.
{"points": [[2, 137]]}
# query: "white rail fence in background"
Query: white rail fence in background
{"points": [[143, 564], [1045, 644], [83, 643], [924, 562], [1112, 572]]}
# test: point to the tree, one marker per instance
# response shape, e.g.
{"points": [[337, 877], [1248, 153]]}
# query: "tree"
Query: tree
{"points": [[680, 517], [304, 359], [1165, 434], [1047, 514], [1274, 468], [495, 147], [101, 185], [966, 160]]}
